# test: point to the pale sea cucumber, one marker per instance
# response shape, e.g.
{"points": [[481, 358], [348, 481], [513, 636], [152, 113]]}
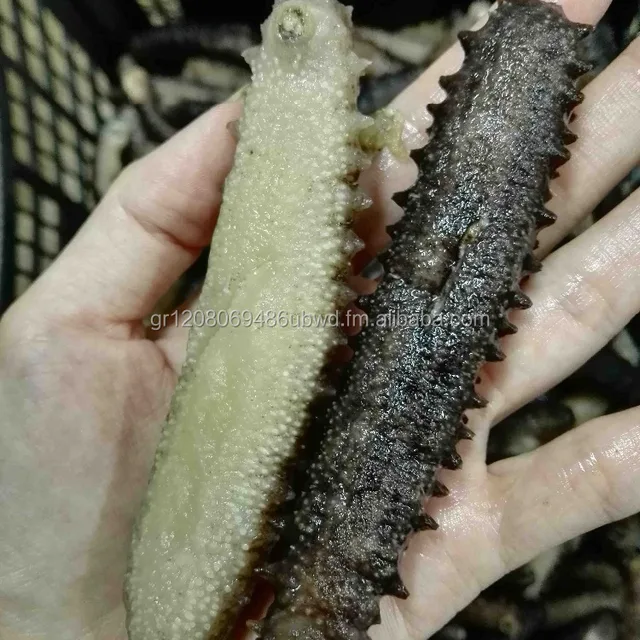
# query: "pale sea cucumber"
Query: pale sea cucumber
{"points": [[461, 249], [281, 247]]}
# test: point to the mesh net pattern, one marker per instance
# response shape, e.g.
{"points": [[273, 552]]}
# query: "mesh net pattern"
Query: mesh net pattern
{"points": [[56, 100], [161, 12]]}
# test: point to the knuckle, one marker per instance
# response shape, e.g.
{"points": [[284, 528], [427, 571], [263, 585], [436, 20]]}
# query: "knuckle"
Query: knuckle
{"points": [[596, 486], [584, 302]]}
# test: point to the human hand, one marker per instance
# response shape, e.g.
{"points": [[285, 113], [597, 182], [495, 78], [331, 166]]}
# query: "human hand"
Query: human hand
{"points": [[84, 389]]}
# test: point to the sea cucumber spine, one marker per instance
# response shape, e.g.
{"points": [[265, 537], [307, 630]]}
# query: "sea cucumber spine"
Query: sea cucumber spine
{"points": [[282, 247], [461, 249]]}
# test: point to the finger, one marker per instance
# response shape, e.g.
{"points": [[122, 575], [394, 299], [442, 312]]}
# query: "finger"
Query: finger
{"points": [[389, 175], [607, 149], [444, 570], [491, 524], [585, 479], [586, 293], [149, 228]]}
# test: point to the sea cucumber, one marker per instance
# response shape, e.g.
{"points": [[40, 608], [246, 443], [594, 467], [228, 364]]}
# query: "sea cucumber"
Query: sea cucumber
{"points": [[281, 248], [460, 251]]}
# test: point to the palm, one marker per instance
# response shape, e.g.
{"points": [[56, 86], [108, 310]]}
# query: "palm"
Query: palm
{"points": [[83, 391], [92, 424]]}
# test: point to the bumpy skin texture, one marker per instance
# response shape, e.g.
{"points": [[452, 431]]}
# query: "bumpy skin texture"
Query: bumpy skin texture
{"points": [[459, 252], [281, 247]]}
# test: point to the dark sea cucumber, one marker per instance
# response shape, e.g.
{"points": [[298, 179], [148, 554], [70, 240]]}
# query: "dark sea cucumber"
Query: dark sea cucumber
{"points": [[453, 273]]}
